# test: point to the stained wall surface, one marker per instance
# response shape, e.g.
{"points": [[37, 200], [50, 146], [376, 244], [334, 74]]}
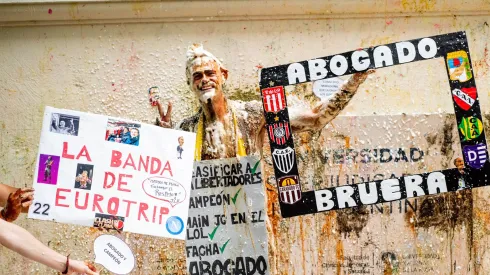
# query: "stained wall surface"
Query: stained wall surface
{"points": [[82, 62]]}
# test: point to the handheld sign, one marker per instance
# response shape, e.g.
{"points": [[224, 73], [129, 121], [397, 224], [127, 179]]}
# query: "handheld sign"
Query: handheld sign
{"points": [[113, 173], [113, 254], [226, 231]]}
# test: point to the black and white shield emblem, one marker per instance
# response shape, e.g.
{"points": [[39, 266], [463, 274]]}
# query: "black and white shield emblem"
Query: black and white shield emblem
{"points": [[284, 159]]}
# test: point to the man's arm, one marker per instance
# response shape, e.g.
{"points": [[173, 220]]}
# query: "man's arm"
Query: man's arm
{"points": [[326, 110], [19, 240], [165, 119]]}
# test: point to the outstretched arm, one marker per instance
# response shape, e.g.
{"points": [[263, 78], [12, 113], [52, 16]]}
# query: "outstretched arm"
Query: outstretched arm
{"points": [[19, 240], [327, 110]]}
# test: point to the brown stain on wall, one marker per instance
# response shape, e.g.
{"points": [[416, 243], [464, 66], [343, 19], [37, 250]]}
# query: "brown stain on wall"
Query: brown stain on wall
{"points": [[339, 254], [446, 211], [352, 220], [302, 233], [410, 221]]}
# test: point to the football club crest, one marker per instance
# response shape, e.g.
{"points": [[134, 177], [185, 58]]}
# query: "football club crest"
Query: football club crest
{"points": [[475, 155], [289, 189], [274, 100], [458, 65], [284, 159], [465, 97], [279, 133], [471, 127]]}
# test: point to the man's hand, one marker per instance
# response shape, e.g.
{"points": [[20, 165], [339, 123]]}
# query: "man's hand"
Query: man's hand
{"points": [[17, 202], [357, 79], [165, 118]]}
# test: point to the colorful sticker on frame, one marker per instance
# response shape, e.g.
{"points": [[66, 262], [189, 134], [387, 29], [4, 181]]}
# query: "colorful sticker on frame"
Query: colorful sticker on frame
{"points": [[453, 47]]}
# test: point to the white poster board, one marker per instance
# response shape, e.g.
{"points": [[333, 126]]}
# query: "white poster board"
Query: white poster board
{"points": [[226, 226], [99, 171]]}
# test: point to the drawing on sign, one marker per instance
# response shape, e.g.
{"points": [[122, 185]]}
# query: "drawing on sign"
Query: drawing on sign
{"points": [[289, 189], [284, 159], [475, 155], [165, 189], [454, 49], [274, 100], [465, 97], [279, 132], [459, 66]]}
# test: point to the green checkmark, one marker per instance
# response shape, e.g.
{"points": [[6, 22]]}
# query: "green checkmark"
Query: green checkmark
{"points": [[211, 236], [236, 195], [224, 246], [255, 167]]}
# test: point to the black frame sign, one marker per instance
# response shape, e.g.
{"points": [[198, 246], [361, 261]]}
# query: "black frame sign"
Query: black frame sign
{"points": [[453, 47]]}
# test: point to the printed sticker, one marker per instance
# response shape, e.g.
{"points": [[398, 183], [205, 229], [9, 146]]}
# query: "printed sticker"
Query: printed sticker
{"points": [[175, 225], [279, 133], [471, 127], [109, 222], [289, 189], [274, 100], [465, 97], [475, 155], [459, 66], [284, 159]]}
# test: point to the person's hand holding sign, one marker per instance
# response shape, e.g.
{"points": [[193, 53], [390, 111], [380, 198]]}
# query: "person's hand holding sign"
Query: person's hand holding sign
{"points": [[17, 202], [81, 268]]}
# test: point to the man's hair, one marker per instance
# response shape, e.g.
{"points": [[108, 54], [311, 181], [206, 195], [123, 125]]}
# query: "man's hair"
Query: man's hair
{"points": [[454, 161], [194, 52]]}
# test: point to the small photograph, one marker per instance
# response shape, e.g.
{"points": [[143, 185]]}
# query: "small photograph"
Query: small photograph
{"points": [[123, 132], [47, 171], [180, 147], [83, 179], [154, 94], [64, 124]]}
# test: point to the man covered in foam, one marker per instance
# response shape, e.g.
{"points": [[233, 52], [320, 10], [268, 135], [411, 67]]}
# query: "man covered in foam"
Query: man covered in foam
{"points": [[228, 128]]}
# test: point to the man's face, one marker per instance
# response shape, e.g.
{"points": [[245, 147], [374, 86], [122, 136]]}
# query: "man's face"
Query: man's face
{"points": [[459, 163], [84, 177], [134, 133], [206, 78], [62, 123], [181, 141]]}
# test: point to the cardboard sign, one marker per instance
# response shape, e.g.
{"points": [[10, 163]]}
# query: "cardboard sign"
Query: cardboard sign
{"points": [[453, 47], [226, 225], [113, 173], [113, 254]]}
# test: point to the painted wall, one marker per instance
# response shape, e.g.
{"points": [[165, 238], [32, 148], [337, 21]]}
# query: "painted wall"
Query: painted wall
{"points": [[68, 56]]}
